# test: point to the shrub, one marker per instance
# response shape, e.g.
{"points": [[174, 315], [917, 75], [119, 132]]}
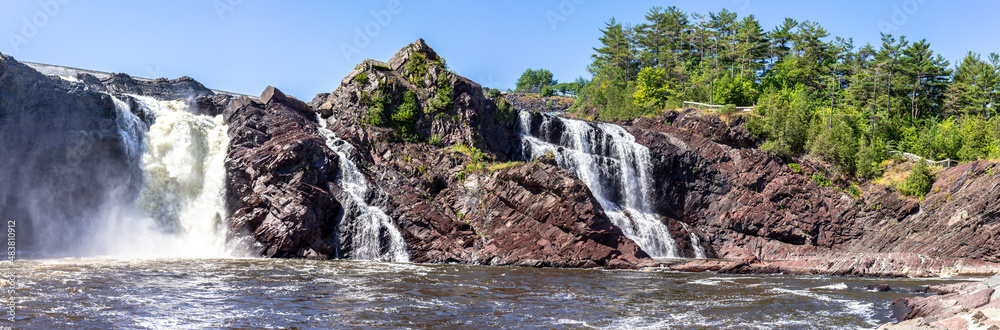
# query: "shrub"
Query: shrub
{"points": [[417, 66], [855, 191], [795, 167], [727, 109], [919, 181], [361, 79], [821, 180], [435, 140], [505, 111], [405, 116], [444, 97], [376, 110], [493, 93]]}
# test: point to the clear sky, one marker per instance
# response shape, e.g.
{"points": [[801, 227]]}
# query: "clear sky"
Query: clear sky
{"points": [[299, 46]]}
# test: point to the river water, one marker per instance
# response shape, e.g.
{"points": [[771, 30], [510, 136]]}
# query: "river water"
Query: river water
{"points": [[100, 293]]}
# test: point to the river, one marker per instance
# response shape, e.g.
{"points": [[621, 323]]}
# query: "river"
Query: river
{"points": [[104, 293]]}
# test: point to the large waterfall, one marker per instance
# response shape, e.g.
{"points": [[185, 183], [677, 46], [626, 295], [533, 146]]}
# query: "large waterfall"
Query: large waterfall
{"points": [[180, 208], [373, 223], [615, 168]]}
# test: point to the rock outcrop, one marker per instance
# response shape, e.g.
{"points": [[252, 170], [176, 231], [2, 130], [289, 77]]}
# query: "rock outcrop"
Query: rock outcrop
{"points": [[446, 177], [968, 305], [279, 173]]}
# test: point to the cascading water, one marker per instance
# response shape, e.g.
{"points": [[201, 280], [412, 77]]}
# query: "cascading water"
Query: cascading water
{"points": [[367, 242], [179, 209], [699, 252], [184, 167], [615, 168]]}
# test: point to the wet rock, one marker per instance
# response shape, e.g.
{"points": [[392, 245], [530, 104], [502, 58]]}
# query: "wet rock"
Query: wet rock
{"points": [[957, 305], [880, 287]]}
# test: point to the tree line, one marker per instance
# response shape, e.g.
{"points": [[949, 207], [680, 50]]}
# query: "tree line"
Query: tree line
{"points": [[814, 93]]}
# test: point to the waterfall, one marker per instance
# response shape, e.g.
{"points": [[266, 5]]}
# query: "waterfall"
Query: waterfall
{"points": [[699, 251], [179, 210], [615, 168], [373, 221], [184, 171]]}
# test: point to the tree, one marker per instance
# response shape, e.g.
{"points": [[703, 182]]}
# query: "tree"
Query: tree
{"points": [[617, 54], [652, 90], [532, 81], [975, 86], [928, 75], [919, 181]]}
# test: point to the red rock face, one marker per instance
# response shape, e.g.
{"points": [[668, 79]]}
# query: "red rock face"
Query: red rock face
{"points": [[279, 175], [743, 201]]}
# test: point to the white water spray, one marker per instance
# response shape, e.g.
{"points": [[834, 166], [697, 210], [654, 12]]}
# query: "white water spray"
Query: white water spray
{"points": [[615, 168], [180, 209], [184, 166], [373, 220]]}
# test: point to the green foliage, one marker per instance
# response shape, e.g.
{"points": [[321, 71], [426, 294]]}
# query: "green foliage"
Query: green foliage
{"points": [[505, 111], [919, 181], [381, 67], [572, 88], [651, 89], [869, 159], [361, 79], [854, 190], [493, 93], [406, 115], [533, 81], [417, 67], [733, 90], [821, 180], [444, 97], [547, 91], [377, 114], [795, 167], [435, 140], [727, 109], [838, 145], [785, 123]]}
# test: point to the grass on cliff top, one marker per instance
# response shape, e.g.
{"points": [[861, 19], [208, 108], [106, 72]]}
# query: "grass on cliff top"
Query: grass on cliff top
{"points": [[897, 171], [480, 162]]}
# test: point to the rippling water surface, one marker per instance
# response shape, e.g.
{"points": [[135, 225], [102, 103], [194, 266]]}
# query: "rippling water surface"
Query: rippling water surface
{"points": [[256, 293]]}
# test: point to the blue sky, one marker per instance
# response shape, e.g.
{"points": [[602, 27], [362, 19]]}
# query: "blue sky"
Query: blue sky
{"points": [[299, 46]]}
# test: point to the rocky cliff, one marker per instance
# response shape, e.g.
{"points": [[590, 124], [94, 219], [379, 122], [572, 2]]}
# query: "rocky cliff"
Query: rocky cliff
{"points": [[743, 201]]}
